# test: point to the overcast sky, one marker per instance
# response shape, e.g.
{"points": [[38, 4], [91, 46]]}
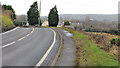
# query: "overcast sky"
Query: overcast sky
{"points": [[67, 6]]}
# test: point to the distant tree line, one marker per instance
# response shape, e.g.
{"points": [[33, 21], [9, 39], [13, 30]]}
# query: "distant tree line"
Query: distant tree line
{"points": [[19, 23], [111, 31]]}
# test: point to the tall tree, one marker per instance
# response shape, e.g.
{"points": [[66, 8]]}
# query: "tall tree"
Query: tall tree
{"points": [[53, 17], [9, 7], [33, 14]]}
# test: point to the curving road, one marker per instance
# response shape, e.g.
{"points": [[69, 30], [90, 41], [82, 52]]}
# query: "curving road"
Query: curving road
{"points": [[28, 46]]}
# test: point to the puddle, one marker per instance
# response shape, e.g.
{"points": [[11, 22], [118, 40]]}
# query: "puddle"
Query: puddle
{"points": [[65, 31], [69, 34]]}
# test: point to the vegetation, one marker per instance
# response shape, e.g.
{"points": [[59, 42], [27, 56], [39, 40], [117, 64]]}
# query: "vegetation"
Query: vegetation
{"points": [[7, 23], [88, 54], [111, 31], [53, 17], [21, 18], [66, 23], [115, 41], [19, 23], [33, 14], [9, 7], [114, 31]]}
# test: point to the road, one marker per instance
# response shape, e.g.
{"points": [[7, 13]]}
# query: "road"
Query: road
{"points": [[29, 47]]}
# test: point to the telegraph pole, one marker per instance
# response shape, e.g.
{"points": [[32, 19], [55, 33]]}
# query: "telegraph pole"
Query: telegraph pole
{"points": [[39, 12]]}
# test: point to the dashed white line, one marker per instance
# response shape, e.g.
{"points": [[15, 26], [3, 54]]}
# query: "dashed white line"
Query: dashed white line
{"points": [[48, 51], [21, 38], [18, 39], [8, 45]]}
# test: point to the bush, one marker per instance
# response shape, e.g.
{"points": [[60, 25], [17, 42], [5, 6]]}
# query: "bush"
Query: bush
{"points": [[17, 23], [66, 23], [7, 23], [115, 41], [114, 32]]}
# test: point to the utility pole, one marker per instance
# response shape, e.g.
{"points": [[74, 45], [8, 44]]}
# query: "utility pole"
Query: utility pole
{"points": [[39, 12]]}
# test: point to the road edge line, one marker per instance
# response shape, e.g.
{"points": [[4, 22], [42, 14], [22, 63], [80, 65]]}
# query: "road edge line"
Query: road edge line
{"points": [[47, 52], [59, 49], [10, 30]]}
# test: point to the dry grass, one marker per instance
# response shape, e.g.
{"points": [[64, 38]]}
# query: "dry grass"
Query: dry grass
{"points": [[102, 39]]}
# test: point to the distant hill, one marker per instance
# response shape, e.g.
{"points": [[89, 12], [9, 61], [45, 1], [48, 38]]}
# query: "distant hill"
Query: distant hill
{"points": [[81, 17], [21, 17], [99, 17]]}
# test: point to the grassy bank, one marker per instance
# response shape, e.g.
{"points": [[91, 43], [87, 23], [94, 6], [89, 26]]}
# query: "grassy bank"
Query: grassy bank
{"points": [[88, 54], [7, 23]]}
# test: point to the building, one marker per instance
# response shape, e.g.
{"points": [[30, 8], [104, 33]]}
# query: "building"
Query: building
{"points": [[60, 24], [45, 23]]}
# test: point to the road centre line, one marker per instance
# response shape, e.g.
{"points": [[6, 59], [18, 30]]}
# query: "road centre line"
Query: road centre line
{"points": [[8, 45], [21, 38], [18, 39]]}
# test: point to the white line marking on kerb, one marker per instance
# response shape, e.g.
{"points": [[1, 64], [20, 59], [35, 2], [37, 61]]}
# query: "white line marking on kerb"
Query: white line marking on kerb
{"points": [[18, 39], [48, 51]]}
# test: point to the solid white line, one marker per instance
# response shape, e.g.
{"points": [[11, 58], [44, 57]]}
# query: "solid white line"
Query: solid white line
{"points": [[48, 51], [18, 39], [10, 30]]}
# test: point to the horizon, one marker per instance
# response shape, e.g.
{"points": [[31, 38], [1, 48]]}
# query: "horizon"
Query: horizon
{"points": [[80, 14]]}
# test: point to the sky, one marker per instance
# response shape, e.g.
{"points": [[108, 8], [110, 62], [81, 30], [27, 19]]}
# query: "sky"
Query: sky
{"points": [[66, 6]]}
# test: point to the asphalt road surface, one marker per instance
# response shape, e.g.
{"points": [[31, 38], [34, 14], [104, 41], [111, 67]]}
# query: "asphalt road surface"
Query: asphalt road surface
{"points": [[28, 46]]}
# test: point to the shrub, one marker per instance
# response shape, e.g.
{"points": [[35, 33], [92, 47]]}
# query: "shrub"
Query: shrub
{"points": [[66, 23], [114, 32], [115, 41], [17, 23]]}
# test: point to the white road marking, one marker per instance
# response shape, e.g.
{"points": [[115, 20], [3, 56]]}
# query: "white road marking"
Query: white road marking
{"points": [[21, 38], [18, 39], [30, 32], [27, 34], [10, 30], [48, 51], [8, 44]]}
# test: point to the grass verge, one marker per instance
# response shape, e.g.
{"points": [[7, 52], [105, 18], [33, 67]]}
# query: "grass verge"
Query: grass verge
{"points": [[88, 54]]}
